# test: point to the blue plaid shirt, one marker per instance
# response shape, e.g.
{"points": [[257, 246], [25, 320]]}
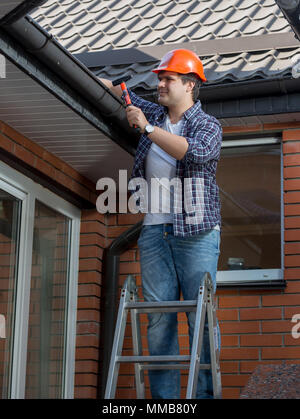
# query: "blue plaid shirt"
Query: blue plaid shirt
{"points": [[196, 170]]}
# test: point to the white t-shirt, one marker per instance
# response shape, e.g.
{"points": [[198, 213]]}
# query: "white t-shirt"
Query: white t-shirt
{"points": [[160, 169]]}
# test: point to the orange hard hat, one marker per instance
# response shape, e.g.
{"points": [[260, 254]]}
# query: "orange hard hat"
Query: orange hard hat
{"points": [[181, 61]]}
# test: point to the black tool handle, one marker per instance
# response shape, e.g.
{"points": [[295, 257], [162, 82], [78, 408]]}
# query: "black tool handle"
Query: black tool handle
{"points": [[120, 80]]}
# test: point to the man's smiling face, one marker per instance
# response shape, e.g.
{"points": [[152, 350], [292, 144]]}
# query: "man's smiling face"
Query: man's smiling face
{"points": [[171, 90]]}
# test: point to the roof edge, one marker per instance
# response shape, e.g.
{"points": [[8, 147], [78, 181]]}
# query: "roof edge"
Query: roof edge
{"points": [[202, 48], [291, 11]]}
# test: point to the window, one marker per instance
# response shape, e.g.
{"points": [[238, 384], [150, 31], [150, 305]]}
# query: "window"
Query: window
{"points": [[249, 178], [39, 242]]}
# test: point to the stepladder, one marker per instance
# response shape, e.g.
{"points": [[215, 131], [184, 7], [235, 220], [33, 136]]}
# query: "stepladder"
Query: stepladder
{"points": [[203, 307]]}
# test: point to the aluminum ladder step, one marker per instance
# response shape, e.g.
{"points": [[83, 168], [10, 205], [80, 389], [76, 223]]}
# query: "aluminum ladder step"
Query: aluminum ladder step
{"points": [[162, 306], [155, 361]]}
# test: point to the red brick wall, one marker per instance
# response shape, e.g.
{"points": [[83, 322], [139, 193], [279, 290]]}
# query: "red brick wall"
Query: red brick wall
{"points": [[92, 243]]}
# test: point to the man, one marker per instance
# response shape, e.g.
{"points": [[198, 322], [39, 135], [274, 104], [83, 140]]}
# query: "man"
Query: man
{"points": [[178, 242]]}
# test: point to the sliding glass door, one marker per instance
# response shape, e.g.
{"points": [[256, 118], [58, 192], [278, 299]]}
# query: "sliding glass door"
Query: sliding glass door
{"points": [[39, 244], [48, 303], [10, 213]]}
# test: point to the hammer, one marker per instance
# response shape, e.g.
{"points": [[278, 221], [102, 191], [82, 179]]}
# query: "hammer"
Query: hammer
{"points": [[121, 81], [125, 95]]}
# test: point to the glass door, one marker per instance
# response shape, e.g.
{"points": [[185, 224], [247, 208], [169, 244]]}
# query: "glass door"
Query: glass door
{"points": [[39, 253], [48, 304], [10, 215]]}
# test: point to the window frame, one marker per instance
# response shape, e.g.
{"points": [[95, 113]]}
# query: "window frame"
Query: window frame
{"points": [[28, 192], [256, 277]]}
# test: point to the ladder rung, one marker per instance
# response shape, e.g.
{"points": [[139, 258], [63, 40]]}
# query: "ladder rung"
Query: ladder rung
{"points": [[172, 367], [154, 361], [165, 366], [156, 358], [162, 306]]}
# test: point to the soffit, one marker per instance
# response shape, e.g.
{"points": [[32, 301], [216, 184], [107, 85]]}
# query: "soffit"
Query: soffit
{"points": [[40, 116], [260, 120]]}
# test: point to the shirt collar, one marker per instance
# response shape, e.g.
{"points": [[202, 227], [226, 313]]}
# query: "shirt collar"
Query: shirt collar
{"points": [[192, 110], [163, 110]]}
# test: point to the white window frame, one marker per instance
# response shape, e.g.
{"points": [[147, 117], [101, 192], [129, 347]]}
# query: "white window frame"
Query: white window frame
{"points": [[256, 276], [28, 192]]}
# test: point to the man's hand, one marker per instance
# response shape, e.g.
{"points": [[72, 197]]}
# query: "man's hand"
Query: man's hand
{"points": [[174, 145], [136, 118], [115, 89]]}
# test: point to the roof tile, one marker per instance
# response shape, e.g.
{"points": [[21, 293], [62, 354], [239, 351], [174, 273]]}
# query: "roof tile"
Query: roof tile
{"points": [[236, 15], [184, 21], [198, 8], [128, 15], [175, 9]]}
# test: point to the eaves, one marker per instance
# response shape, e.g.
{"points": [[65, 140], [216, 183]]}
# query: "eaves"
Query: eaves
{"points": [[39, 55], [252, 97]]}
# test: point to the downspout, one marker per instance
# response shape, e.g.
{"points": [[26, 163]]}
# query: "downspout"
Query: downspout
{"points": [[291, 11], [111, 260]]}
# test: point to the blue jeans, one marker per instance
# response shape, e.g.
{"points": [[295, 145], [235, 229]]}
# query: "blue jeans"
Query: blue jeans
{"points": [[170, 265]]}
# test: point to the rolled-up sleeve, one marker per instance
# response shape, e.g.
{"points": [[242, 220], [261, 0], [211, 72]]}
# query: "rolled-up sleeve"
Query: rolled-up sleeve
{"points": [[205, 144]]}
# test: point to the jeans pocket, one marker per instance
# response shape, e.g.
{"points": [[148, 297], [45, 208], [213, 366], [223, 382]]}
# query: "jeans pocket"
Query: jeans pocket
{"points": [[214, 239], [148, 237], [218, 240]]}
